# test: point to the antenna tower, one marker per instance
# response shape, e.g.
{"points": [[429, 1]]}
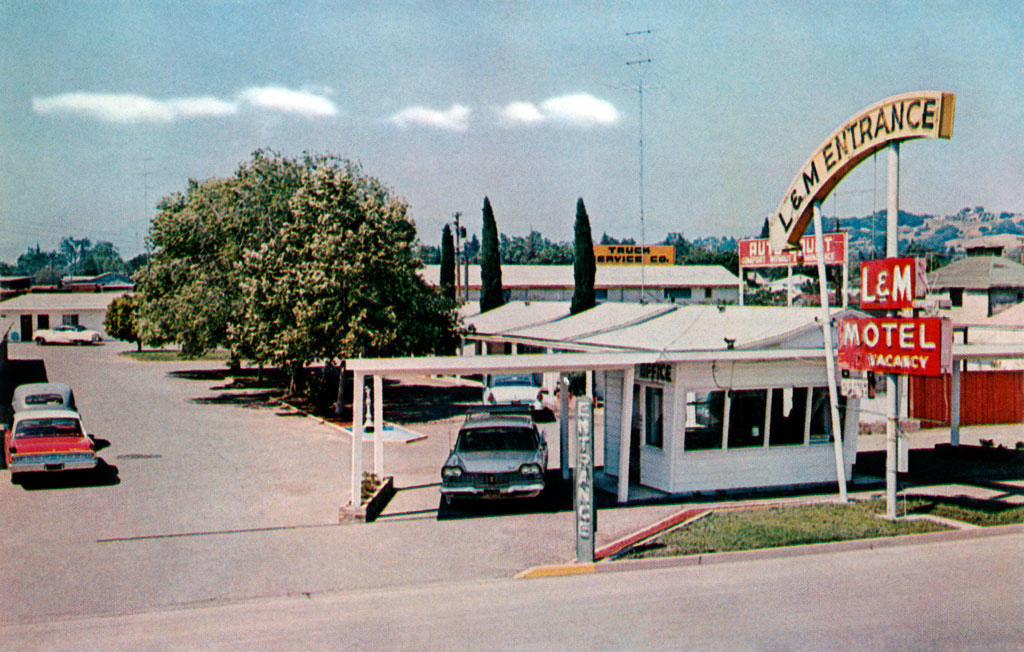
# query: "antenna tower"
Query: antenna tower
{"points": [[638, 64]]}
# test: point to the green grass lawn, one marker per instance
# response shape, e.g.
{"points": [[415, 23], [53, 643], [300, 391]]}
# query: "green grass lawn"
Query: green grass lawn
{"points": [[976, 512], [168, 355], [780, 526]]}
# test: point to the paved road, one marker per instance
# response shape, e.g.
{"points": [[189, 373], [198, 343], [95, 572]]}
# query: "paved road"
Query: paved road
{"points": [[966, 595], [218, 498]]}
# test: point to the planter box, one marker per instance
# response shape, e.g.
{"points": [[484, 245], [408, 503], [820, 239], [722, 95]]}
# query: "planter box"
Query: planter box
{"points": [[371, 509]]}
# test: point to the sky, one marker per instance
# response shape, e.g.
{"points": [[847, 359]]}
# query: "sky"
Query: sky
{"points": [[105, 107]]}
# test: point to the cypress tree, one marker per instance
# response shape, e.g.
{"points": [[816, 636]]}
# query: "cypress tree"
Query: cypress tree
{"points": [[447, 263], [491, 295], [584, 266]]}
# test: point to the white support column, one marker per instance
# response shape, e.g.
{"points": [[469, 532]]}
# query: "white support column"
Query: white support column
{"points": [[625, 433], [954, 409], [789, 286], [892, 211], [357, 439], [378, 425], [563, 424], [830, 362]]}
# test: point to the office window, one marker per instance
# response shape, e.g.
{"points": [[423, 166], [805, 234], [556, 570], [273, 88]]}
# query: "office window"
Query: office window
{"points": [[653, 416], [789, 416], [746, 417], [821, 415], [601, 295], [956, 297], [704, 414], [69, 320]]}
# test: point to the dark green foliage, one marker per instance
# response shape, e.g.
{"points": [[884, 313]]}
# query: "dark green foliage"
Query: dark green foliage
{"points": [[289, 261], [120, 320], [491, 295], [584, 265], [534, 249], [447, 263]]}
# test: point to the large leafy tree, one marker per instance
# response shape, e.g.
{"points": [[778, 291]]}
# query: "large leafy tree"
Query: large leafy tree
{"points": [[447, 263], [288, 262], [584, 266], [491, 294]]}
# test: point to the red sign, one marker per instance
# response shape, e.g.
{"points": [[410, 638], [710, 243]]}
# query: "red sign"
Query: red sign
{"points": [[757, 253], [919, 346], [891, 283]]}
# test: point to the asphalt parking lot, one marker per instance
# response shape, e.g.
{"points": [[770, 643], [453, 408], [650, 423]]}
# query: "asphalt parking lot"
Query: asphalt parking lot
{"points": [[212, 494]]}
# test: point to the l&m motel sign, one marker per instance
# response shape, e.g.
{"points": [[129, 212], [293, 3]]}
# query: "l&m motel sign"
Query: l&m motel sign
{"points": [[891, 283], [913, 346], [923, 114]]}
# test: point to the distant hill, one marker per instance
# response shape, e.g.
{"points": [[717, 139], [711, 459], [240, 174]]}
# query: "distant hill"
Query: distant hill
{"points": [[934, 233]]}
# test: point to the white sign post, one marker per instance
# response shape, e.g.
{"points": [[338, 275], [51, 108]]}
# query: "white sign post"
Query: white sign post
{"points": [[583, 494]]}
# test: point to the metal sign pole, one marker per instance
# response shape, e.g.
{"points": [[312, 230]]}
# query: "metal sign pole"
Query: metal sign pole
{"points": [[583, 494], [892, 209], [830, 361]]}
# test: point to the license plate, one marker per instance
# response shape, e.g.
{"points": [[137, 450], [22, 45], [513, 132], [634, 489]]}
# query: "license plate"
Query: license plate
{"points": [[491, 493], [54, 467]]}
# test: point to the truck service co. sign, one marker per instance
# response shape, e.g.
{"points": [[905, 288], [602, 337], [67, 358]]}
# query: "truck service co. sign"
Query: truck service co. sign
{"points": [[912, 346], [924, 114]]}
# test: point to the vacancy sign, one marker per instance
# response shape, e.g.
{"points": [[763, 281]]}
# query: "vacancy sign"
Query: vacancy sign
{"points": [[891, 283], [920, 346]]}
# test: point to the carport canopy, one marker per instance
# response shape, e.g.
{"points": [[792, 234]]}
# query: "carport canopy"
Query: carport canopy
{"points": [[530, 362]]}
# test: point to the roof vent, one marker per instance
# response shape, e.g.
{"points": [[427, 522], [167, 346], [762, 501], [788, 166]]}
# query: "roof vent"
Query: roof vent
{"points": [[730, 343]]}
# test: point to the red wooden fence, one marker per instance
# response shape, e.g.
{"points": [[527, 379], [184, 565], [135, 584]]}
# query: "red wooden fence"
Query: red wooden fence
{"points": [[985, 397]]}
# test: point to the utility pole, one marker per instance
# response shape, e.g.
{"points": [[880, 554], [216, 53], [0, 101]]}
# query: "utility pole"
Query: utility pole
{"points": [[639, 63], [456, 216]]}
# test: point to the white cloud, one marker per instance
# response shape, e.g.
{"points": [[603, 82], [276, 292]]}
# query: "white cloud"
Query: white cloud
{"points": [[128, 108], [579, 109], [455, 118], [197, 107], [522, 113], [285, 100]]}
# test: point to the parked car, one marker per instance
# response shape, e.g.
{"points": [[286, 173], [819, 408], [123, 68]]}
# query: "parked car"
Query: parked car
{"points": [[514, 388], [496, 455], [48, 440], [35, 396], [67, 334]]}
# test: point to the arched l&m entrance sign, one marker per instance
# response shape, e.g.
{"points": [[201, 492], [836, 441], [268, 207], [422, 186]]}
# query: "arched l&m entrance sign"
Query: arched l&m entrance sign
{"points": [[924, 114]]}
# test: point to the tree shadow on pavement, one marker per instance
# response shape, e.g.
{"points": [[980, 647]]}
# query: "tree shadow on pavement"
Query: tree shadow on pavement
{"points": [[244, 399]]}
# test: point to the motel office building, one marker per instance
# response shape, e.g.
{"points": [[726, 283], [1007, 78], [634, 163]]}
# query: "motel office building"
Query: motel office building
{"points": [[719, 397]]}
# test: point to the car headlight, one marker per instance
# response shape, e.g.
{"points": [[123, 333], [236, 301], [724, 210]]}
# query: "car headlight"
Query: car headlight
{"points": [[451, 472], [530, 469]]}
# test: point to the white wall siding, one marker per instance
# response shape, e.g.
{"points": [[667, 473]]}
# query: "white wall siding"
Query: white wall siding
{"points": [[746, 468], [612, 421]]}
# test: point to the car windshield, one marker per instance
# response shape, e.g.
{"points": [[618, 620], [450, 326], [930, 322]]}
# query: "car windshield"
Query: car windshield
{"points": [[71, 327], [512, 380], [496, 439], [57, 427]]}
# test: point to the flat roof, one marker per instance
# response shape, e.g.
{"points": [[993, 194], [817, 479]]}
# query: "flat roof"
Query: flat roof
{"points": [[607, 276], [59, 301], [555, 362]]}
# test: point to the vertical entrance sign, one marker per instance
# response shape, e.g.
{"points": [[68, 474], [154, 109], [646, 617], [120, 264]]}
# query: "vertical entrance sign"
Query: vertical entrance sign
{"points": [[583, 494], [922, 114]]}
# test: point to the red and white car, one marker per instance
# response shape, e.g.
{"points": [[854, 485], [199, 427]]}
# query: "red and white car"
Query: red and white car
{"points": [[46, 441]]}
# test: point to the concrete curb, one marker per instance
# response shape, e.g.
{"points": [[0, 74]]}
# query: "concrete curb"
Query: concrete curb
{"points": [[769, 553]]}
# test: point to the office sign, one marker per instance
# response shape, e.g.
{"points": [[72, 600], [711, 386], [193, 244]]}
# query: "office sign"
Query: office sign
{"points": [[923, 114], [920, 346], [583, 496], [758, 252], [892, 283], [634, 255]]}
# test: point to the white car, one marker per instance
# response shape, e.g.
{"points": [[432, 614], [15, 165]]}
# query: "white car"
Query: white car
{"points": [[522, 388], [67, 334]]}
